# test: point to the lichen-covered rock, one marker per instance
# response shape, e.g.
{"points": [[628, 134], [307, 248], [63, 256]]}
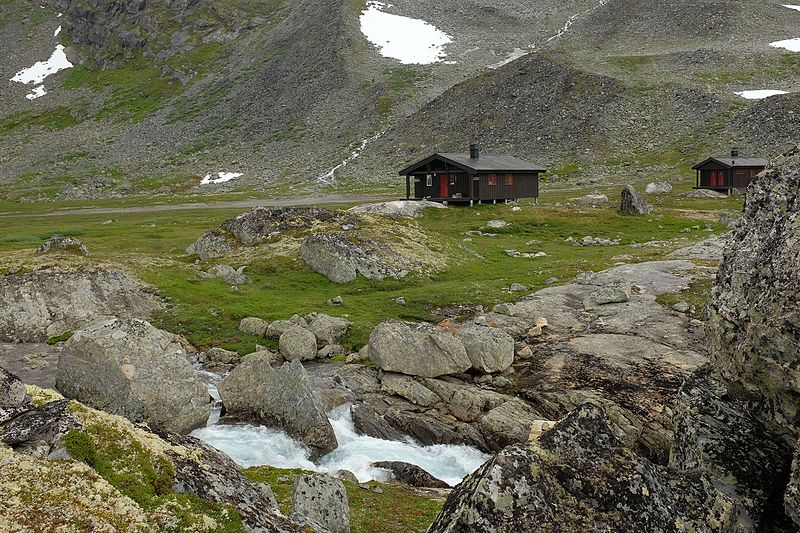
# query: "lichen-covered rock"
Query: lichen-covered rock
{"points": [[279, 398], [63, 244], [340, 259], [253, 326], [721, 435], [277, 328], [489, 349], [212, 475], [408, 388], [417, 350], [49, 302], [398, 208], [298, 343], [227, 273], [791, 497], [40, 431], [754, 309], [130, 368], [658, 187], [327, 329], [507, 424], [221, 356], [320, 500], [618, 291], [213, 243], [632, 203], [411, 475], [578, 476], [13, 394]]}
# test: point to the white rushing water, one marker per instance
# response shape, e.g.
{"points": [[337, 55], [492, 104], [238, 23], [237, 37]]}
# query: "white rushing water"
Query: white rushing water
{"points": [[250, 445], [330, 176], [410, 41]]}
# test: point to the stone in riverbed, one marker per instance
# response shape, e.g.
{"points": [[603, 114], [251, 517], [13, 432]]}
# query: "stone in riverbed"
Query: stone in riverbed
{"points": [[417, 350], [411, 475], [298, 343], [221, 356], [327, 329], [320, 501], [253, 326], [130, 368], [489, 349], [279, 398], [408, 388]]}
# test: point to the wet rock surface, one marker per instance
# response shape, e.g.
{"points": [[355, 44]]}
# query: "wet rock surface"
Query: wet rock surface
{"points": [[130, 368], [412, 475], [279, 398], [48, 302]]}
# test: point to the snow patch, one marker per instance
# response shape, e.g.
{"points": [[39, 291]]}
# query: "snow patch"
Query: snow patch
{"points": [[792, 6], [37, 92], [222, 177], [410, 41], [759, 94], [250, 445], [58, 30], [789, 44], [41, 69], [59, 15]]}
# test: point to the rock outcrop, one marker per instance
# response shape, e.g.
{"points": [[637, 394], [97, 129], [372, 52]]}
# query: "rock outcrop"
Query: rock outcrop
{"points": [[417, 350], [411, 475], [398, 208], [69, 245], [489, 349], [130, 368], [632, 203], [320, 501], [49, 302], [228, 274], [579, 476], [279, 398]]}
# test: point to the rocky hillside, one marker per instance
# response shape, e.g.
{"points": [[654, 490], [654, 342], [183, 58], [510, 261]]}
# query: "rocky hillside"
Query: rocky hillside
{"points": [[164, 93]]}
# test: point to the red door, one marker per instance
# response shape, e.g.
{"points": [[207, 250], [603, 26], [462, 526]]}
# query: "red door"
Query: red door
{"points": [[444, 183]]}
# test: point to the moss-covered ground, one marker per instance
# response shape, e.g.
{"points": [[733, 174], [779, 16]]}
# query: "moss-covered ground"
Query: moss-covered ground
{"points": [[398, 509], [152, 244]]}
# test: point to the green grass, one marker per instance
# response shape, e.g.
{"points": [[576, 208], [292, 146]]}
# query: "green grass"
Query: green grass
{"points": [[397, 510], [696, 295], [208, 313], [51, 119]]}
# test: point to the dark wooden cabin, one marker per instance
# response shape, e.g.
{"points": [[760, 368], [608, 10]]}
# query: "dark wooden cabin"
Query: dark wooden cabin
{"points": [[472, 177], [728, 173]]}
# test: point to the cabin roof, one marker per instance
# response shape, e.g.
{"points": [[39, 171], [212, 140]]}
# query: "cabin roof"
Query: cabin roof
{"points": [[484, 163], [732, 162]]}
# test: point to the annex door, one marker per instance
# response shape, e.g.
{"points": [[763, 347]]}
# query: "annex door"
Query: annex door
{"points": [[444, 184]]}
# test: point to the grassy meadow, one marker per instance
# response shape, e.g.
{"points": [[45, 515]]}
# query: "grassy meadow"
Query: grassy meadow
{"points": [[151, 245]]}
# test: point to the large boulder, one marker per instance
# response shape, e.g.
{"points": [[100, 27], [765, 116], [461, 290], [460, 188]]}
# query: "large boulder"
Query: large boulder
{"points": [[69, 245], [489, 349], [658, 187], [227, 273], [130, 368], [13, 394], [320, 501], [579, 476], [341, 259], [279, 398], [253, 326], [721, 435], [46, 303], [327, 329], [754, 309], [632, 203], [417, 350], [298, 343]]}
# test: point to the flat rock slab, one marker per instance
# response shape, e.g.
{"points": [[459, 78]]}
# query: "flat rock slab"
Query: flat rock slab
{"points": [[34, 363]]}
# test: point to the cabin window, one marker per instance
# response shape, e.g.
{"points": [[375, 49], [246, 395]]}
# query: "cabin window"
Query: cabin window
{"points": [[429, 181], [452, 179], [492, 180], [739, 172], [509, 180]]}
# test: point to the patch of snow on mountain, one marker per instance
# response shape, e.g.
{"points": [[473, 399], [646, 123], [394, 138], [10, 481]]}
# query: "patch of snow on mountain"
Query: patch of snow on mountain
{"points": [[222, 177], [37, 92], [789, 44], [410, 41], [759, 94], [792, 7], [58, 30], [41, 69], [516, 54]]}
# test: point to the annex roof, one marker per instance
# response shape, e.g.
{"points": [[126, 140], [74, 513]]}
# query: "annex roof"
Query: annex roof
{"points": [[732, 162], [484, 163]]}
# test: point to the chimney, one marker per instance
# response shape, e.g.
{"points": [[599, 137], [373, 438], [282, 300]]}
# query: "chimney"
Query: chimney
{"points": [[734, 152], [474, 151]]}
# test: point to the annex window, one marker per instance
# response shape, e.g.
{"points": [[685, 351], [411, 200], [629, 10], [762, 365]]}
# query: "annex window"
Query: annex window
{"points": [[492, 179], [429, 181], [509, 180]]}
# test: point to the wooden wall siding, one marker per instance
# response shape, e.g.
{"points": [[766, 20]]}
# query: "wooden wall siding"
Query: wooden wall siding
{"points": [[734, 178], [524, 186], [421, 189]]}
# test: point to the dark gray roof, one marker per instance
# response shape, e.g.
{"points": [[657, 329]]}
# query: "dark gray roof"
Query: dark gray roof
{"points": [[731, 162], [485, 163]]}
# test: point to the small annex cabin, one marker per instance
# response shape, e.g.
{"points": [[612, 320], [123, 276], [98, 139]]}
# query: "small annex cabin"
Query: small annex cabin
{"points": [[728, 173], [472, 177]]}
